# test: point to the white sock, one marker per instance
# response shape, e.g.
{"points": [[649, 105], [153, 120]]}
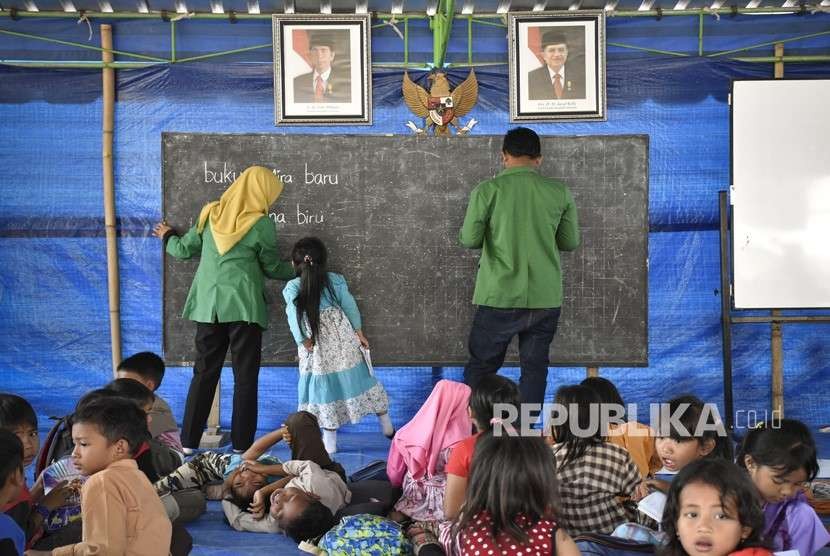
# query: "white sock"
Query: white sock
{"points": [[330, 440], [386, 425]]}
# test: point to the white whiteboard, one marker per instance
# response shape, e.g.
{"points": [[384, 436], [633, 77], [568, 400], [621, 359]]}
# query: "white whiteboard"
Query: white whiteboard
{"points": [[781, 193]]}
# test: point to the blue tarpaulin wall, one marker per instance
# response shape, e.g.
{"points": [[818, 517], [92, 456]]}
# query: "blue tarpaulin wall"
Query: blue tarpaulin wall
{"points": [[54, 327]]}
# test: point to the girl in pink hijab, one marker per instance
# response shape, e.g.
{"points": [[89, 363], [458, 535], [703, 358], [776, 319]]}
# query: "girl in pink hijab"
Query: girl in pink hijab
{"points": [[418, 455]]}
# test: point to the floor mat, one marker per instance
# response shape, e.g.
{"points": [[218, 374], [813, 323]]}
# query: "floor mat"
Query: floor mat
{"points": [[212, 536]]}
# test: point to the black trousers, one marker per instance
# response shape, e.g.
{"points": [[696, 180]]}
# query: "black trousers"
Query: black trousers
{"points": [[307, 442], [212, 342], [490, 335]]}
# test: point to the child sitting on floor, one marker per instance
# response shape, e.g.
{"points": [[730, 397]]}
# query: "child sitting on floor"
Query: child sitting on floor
{"points": [[12, 537], [28, 509], [418, 458], [63, 523], [148, 368], [121, 512], [489, 391], [692, 433], [713, 510], [18, 418], [596, 478], [161, 458], [636, 438], [780, 456], [510, 505]]}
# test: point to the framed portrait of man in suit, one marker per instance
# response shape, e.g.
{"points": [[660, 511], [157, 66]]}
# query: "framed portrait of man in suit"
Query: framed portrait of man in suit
{"points": [[322, 69], [557, 66]]}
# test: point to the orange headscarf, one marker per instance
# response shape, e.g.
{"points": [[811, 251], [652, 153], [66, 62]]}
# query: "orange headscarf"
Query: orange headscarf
{"points": [[240, 206]]}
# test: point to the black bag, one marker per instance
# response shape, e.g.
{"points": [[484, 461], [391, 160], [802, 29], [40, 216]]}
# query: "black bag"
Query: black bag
{"points": [[375, 471], [606, 545], [58, 444]]}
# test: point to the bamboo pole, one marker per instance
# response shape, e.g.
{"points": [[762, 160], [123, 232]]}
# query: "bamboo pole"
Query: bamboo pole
{"points": [[776, 335], [108, 124], [777, 357], [779, 63]]}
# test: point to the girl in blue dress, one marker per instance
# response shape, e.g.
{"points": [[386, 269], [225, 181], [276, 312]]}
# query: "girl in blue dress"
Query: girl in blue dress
{"points": [[335, 383]]}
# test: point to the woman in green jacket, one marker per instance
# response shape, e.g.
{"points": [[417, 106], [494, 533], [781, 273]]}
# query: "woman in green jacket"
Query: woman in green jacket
{"points": [[237, 246]]}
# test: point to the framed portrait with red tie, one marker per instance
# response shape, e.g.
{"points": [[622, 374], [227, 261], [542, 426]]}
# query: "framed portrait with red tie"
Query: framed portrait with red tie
{"points": [[322, 69], [557, 66]]}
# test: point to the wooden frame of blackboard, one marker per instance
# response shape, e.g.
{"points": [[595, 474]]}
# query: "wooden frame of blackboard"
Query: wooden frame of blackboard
{"points": [[347, 95], [531, 90]]}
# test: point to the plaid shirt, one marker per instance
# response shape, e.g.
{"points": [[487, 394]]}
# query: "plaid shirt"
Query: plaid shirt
{"points": [[590, 486]]}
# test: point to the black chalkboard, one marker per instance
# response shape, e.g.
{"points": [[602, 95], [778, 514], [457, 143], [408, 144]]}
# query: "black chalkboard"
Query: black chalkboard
{"points": [[389, 209]]}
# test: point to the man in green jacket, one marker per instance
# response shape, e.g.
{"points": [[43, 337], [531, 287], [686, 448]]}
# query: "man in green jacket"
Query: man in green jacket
{"points": [[520, 220], [237, 246]]}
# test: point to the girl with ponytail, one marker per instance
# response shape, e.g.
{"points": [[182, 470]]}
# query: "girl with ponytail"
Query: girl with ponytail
{"points": [[335, 383]]}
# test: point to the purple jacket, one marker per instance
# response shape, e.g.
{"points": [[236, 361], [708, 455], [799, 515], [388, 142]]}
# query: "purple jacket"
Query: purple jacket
{"points": [[797, 528]]}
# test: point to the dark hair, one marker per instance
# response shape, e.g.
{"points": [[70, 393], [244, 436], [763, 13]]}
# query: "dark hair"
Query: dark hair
{"points": [[146, 364], [489, 391], [605, 390], [11, 455], [522, 141], [510, 476], [131, 390], [734, 486], [116, 418], [93, 395], [581, 399], [315, 520], [242, 500], [16, 411], [310, 257], [689, 419], [784, 445]]}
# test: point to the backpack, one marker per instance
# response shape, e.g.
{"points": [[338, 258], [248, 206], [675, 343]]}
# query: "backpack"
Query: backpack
{"points": [[58, 444], [361, 535], [374, 471]]}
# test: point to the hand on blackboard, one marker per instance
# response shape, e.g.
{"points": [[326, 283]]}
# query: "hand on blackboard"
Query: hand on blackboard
{"points": [[161, 229], [308, 343], [363, 341]]}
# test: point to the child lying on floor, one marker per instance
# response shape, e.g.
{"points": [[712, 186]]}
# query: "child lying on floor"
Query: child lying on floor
{"points": [[310, 489]]}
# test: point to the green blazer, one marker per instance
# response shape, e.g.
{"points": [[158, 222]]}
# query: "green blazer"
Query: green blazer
{"points": [[521, 221], [230, 287]]}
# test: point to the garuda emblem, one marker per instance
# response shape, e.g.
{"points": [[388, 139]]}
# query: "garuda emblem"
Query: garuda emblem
{"points": [[441, 108]]}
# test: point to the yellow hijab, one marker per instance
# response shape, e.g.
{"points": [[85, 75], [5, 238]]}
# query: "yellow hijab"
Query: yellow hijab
{"points": [[240, 206]]}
